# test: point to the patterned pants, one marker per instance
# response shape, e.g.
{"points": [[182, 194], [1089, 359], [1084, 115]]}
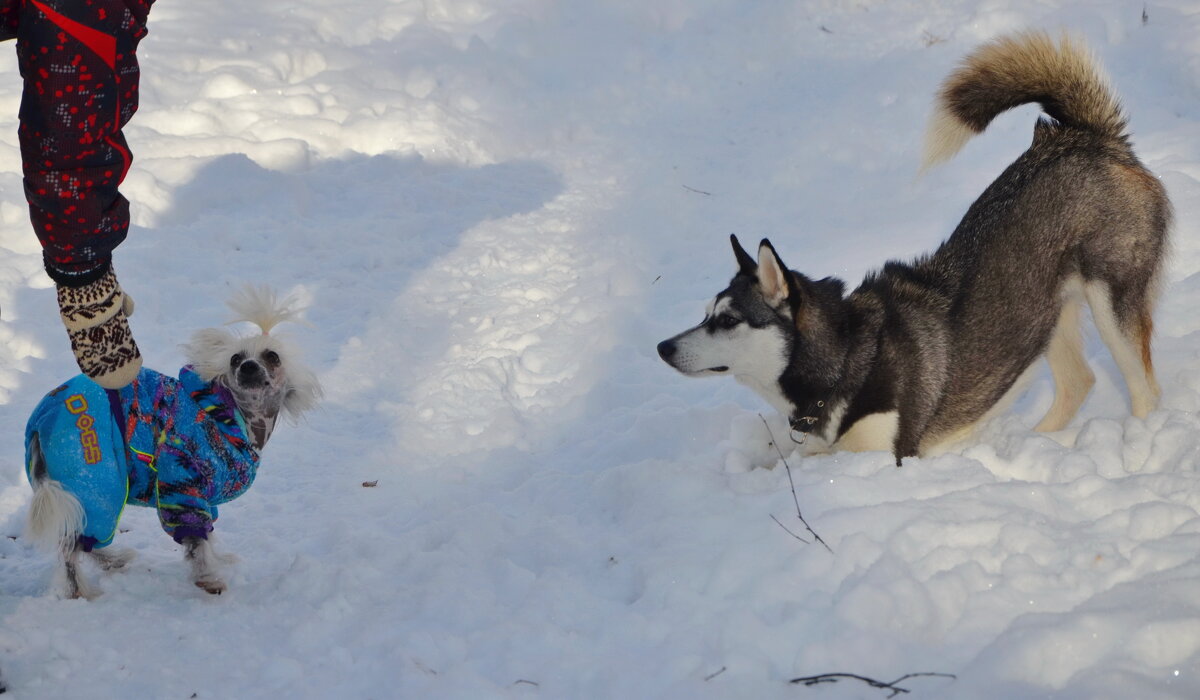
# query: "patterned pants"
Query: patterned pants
{"points": [[79, 65]]}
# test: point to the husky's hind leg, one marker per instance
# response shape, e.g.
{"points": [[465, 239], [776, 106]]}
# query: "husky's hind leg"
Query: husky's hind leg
{"points": [[1125, 326], [1073, 379]]}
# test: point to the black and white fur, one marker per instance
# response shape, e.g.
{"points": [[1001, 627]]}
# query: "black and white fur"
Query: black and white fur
{"points": [[922, 352], [266, 378]]}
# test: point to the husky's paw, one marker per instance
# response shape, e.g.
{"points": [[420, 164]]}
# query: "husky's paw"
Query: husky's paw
{"points": [[211, 584]]}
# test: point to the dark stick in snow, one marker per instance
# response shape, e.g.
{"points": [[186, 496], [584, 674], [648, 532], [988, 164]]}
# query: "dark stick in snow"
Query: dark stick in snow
{"points": [[896, 690], [795, 498]]}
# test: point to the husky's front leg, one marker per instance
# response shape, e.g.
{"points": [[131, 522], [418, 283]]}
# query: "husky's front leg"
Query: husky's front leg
{"points": [[920, 388], [204, 562]]}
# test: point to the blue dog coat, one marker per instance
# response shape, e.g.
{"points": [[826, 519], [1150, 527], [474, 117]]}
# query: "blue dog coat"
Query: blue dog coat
{"points": [[178, 445]]}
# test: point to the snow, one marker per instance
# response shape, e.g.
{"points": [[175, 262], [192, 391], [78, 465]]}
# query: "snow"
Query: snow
{"points": [[495, 210]]}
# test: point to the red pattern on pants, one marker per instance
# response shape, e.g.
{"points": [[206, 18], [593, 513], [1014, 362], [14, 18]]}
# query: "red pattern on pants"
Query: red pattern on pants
{"points": [[78, 60]]}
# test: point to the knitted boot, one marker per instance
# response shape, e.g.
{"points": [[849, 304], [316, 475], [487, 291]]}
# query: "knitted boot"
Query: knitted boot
{"points": [[96, 317]]}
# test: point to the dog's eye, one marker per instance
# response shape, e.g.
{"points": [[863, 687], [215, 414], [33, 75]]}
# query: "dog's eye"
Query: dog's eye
{"points": [[726, 321], [236, 360], [271, 358]]}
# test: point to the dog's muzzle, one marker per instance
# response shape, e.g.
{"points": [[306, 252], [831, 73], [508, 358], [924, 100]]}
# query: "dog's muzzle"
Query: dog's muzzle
{"points": [[251, 374], [667, 351]]}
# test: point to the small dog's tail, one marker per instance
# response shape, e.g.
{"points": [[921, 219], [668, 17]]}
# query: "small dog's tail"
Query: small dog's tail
{"points": [[1014, 70], [56, 517]]}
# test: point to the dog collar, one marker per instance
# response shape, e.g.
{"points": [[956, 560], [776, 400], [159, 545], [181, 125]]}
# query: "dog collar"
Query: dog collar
{"points": [[808, 417]]}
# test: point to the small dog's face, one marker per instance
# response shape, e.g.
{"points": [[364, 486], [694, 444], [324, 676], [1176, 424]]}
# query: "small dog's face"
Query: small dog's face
{"points": [[262, 372], [251, 371]]}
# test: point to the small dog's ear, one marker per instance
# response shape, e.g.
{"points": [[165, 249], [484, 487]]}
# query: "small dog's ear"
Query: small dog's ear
{"points": [[745, 263], [774, 280], [208, 352], [304, 391]]}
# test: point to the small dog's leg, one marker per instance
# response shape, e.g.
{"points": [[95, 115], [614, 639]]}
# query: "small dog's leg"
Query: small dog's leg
{"points": [[76, 586], [112, 559], [200, 555]]}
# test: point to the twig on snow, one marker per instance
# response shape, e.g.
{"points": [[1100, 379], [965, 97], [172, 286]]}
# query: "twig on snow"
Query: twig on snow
{"points": [[713, 675], [795, 498], [693, 189], [896, 690], [788, 530]]}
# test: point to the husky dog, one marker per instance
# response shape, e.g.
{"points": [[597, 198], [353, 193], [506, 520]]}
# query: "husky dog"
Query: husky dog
{"points": [[923, 351], [180, 445]]}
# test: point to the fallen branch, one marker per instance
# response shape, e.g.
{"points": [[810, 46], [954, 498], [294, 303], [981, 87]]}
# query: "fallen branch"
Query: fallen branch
{"points": [[787, 530], [896, 690], [795, 498]]}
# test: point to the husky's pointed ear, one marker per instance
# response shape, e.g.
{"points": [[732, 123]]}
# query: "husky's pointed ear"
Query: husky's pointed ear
{"points": [[773, 277], [745, 263]]}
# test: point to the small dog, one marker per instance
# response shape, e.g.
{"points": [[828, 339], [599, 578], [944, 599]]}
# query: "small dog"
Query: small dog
{"points": [[922, 352], [183, 445]]}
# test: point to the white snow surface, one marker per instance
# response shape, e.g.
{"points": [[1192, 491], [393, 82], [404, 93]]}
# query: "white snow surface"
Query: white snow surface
{"points": [[494, 210]]}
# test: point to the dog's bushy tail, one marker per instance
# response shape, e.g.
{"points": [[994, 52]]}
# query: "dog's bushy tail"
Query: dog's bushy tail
{"points": [[1014, 70], [56, 517]]}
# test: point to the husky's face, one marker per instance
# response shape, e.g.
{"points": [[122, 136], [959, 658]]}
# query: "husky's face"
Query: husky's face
{"points": [[748, 330], [740, 335]]}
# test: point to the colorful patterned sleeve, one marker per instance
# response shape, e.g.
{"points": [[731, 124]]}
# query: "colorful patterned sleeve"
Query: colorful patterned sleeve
{"points": [[183, 500]]}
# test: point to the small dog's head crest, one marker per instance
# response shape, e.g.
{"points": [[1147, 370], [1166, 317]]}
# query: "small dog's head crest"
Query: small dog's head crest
{"points": [[262, 306]]}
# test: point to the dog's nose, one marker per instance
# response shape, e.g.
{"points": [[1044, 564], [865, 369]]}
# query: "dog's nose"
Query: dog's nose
{"points": [[250, 373], [666, 349]]}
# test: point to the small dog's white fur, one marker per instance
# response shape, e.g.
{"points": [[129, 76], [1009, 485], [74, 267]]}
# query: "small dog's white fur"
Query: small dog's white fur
{"points": [[205, 565], [210, 349], [286, 386], [55, 518]]}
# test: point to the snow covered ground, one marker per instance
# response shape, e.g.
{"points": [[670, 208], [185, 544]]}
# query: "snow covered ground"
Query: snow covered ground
{"points": [[495, 209]]}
